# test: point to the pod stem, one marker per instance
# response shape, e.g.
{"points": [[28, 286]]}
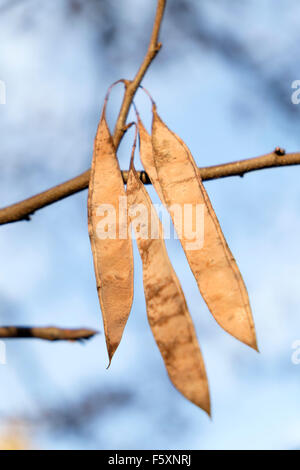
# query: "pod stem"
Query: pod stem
{"points": [[133, 147], [122, 80], [149, 95]]}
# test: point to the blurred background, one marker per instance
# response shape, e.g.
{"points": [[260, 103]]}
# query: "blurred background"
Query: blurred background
{"points": [[223, 82]]}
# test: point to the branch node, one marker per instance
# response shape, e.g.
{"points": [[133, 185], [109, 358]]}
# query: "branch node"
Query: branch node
{"points": [[126, 83], [279, 151]]}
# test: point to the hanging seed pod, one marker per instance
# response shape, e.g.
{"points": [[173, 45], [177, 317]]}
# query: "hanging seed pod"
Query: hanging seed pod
{"points": [[146, 154], [167, 311], [212, 263], [108, 230]]}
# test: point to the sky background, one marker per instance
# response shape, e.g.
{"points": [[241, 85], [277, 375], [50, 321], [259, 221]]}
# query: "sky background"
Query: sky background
{"points": [[223, 83]]}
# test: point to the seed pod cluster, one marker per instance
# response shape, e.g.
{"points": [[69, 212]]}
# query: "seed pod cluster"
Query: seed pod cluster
{"points": [[176, 179]]}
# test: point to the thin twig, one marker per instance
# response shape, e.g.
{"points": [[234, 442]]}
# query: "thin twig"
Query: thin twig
{"points": [[50, 333], [132, 86], [22, 210]]}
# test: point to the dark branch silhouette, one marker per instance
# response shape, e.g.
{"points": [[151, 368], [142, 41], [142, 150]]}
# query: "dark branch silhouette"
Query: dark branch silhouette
{"points": [[50, 333]]}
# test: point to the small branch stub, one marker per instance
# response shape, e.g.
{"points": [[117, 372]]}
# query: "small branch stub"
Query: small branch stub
{"points": [[50, 333], [279, 151]]}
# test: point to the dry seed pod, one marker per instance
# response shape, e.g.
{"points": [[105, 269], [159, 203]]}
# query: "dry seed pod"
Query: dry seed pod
{"points": [[167, 311], [216, 272], [146, 154], [111, 245]]}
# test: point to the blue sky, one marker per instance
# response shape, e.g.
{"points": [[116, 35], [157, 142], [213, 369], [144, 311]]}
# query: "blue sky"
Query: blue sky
{"points": [[56, 76]]}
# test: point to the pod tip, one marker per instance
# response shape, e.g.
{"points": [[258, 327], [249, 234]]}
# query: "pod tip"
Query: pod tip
{"points": [[253, 343], [203, 403], [108, 365], [111, 351], [207, 410]]}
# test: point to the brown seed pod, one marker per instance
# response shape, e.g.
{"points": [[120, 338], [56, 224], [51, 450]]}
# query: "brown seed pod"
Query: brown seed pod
{"points": [[111, 245], [146, 154], [167, 311], [213, 265]]}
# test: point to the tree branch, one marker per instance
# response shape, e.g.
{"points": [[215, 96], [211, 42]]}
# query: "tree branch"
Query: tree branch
{"points": [[48, 333], [22, 210]]}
